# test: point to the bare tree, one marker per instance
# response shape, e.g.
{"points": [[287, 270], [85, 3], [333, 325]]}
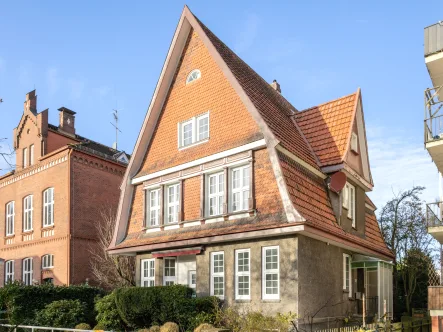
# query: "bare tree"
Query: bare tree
{"points": [[6, 154], [110, 270]]}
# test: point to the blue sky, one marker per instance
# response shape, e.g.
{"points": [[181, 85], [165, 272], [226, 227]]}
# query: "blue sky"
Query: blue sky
{"points": [[93, 56]]}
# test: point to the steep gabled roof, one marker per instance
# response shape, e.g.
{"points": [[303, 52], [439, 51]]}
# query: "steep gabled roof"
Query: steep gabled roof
{"points": [[328, 127]]}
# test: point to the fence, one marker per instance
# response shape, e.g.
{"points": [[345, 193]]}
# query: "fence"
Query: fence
{"points": [[43, 328], [413, 325]]}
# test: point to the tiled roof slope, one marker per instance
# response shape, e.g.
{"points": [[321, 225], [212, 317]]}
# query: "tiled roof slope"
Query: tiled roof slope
{"points": [[275, 110], [309, 195], [327, 128]]}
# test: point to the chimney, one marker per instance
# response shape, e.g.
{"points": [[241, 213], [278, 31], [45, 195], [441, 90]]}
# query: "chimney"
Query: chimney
{"points": [[276, 86], [67, 120], [31, 102]]}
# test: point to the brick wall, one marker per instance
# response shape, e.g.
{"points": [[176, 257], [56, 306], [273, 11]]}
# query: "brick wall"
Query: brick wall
{"points": [[56, 141]]}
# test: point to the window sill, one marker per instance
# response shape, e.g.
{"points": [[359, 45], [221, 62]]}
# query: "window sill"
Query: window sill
{"points": [[45, 228], [193, 144], [10, 236], [28, 232]]}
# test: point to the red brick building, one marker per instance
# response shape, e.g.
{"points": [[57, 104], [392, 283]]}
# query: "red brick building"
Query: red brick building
{"points": [[233, 191], [50, 203]]}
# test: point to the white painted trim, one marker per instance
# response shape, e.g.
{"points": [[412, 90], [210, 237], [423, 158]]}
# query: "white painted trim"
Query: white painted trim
{"points": [[152, 230], [148, 278], [193, 223], [171, 227], [218, 274], [242, 274], [250, 146], [271, 271], [434, 313], [300, 161]]}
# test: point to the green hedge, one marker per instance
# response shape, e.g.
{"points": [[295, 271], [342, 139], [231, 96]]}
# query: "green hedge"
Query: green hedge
{"points": [[23, 302], [142, 307]]}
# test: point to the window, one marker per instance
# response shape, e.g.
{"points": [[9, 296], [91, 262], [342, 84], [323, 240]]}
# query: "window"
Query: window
{"points": [[48, 207], [240, 188], [148, 272], [192, 279], [25, 157], [271, 273], [153, 207], [193, 75], [215, 194], [242, 274], [10, 215], [9, 271], [48, 261], [218, 274], [173, 203], [27, 271], [169, 272], [193, 130], [31, 155], [27, 213], [347, 274], [349, 201], [354, 142]]}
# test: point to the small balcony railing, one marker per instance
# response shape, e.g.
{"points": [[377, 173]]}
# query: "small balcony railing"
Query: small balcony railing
{"points": [[433, 214], [433, 114]]}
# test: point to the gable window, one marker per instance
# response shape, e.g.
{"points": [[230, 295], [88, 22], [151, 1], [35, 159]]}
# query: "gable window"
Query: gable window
{"points": [[47, 261], [172, 203], [215, 194], [48, 207], [193, 131], [27, 271], [354, 142], [218, 274], [27, 213], [9, 271], [153, 207], [347, 274], [169, 276], [10, 216], [271, 273], [240, 188], [193, 76], [25, 157], [31, 155], [148, 272], [242, 274]]}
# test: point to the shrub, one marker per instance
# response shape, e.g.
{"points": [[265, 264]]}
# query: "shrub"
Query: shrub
{"points": [[154, 328], [107, 314], [63, 313], [204, 327], [83, 326], [170, 327], [99, 327]]}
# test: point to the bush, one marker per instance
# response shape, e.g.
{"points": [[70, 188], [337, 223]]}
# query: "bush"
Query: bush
{"points": [[204, 327], [169, 327], [154, 328], [23, 302], [83, 326], [99, 327], [146, 306], [107, 314], [63, 313]]}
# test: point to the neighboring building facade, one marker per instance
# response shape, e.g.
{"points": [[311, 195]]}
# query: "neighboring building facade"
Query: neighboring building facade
{"points": [[50, 204], [227, 190], [434, 145]]}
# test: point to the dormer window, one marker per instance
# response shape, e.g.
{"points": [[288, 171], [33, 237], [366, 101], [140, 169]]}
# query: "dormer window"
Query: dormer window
{"points": [[354, 142], [193, 131], [193, 76], [349, 201]]}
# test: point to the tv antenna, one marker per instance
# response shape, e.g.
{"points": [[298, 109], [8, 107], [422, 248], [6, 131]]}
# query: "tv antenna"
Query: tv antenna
{"points": [[115, 125]]}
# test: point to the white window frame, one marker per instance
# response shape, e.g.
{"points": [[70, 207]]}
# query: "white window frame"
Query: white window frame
{"points": [[266, 272], [190, 78], [239, 274], [349, 200], [28, 218], [47, 261], [243, 190], [31, 155], [28, 271], [354, 142], [48, 206], [9, 271], [168, 279], [174, 204], [25, 157], [191, 284], [347, 275], [218, 195], [150, 208], [217, 274], [195, 128], [10, 218], [147, 273]]}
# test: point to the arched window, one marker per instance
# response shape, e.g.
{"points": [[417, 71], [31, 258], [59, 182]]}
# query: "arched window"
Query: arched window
{"points": [[27, 271], [193, 75], [48, 207], [47, 261]]}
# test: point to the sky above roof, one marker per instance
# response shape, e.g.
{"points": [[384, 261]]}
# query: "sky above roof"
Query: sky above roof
{"points": [[93, 57]]}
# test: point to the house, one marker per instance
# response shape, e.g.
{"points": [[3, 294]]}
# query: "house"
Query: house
{"points": [[230, 190], [433, 130], [51, 202]]}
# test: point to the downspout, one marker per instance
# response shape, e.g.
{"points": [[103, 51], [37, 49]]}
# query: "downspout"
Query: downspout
{"points": [[71, 211]]}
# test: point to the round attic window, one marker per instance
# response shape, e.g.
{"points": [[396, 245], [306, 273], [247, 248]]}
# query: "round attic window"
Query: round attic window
{"points": [[193, 76]]}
